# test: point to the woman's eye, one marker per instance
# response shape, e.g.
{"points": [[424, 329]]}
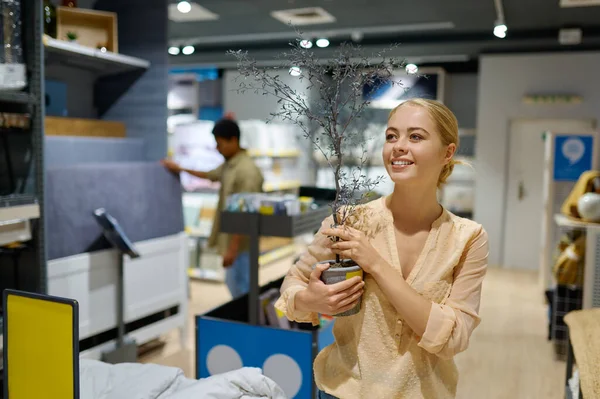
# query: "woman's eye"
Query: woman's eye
{"points": [[390, 137], [415, 137]]}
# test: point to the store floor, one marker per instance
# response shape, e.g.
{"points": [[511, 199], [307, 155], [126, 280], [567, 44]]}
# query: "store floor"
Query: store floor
{"points": [[508, 357]]}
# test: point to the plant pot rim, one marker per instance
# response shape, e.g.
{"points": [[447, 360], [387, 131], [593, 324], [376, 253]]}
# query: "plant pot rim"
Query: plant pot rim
{"points": [[354, 267]]}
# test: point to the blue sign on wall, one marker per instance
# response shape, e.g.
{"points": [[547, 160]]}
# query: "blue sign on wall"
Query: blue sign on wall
{"points": [[572, 156]]}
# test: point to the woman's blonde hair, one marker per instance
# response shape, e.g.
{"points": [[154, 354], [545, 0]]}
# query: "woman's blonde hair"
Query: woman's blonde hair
{"points": [[446, 124]]}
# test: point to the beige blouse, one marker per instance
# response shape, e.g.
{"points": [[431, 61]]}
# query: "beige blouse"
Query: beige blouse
{"points": [[375, 354]]}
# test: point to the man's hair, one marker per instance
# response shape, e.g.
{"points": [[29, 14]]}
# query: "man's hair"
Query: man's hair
{"points": [[227, 129]]}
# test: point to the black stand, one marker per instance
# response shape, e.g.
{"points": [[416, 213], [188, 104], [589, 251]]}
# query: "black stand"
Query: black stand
{"points": [[126, 349], [254, 226]]}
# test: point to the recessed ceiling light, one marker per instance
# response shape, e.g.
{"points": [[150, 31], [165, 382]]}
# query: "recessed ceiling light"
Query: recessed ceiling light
{"points": [[295, 71], [196, 13], [411, 69], [306, 44], [174, 50], [184, 7], [188, 50], [322, 43]]}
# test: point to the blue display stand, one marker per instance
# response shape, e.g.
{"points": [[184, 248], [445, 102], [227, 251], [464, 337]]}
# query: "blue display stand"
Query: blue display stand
{"points": [[230, 337], [225, 341]]}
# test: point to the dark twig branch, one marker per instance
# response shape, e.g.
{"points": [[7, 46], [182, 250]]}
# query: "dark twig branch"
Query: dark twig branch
{"points": [[328, 118]]}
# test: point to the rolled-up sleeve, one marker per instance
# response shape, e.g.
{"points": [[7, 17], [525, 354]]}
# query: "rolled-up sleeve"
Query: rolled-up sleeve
{"points": [[451, 323], [298, 277], [215, 174]]}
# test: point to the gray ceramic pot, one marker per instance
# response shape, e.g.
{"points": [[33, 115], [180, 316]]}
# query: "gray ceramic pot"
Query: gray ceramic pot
{"points": [[338, 274]]}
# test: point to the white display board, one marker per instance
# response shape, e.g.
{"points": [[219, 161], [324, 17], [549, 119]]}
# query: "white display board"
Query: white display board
{"points": [[194, 147]]}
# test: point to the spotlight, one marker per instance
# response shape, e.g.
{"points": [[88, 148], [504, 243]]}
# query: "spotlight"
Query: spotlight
{"points": [[411, 69], [188, 50], [295, 71], [306, 44], [500, 30], [174, 50], [184, 7], [322, 43]]}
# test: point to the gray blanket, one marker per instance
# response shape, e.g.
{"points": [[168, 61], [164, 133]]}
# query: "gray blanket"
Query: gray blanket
{"points": [[100, 380]]}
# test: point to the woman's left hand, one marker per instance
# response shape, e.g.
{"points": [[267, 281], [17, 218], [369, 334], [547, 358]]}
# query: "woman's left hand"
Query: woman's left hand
{"points": [[354, 245]]}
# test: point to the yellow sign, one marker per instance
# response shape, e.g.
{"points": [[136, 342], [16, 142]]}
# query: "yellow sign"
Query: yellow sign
{"points": [[41, 345]]}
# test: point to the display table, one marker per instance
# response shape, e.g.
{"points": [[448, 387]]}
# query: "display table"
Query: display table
{"points": [[584, 349], [232, 336]]}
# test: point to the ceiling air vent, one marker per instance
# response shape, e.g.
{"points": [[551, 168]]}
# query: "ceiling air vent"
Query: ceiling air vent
{"points": [[579, 3], [304, 16]]}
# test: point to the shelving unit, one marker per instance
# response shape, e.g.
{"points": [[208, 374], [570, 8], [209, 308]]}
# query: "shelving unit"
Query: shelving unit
{"points": [[102, 63], [591, 272], [21, 98], [26, 204]]}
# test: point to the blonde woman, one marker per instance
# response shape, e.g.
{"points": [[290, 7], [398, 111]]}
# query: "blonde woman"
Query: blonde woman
{"points": [[423, 267]]}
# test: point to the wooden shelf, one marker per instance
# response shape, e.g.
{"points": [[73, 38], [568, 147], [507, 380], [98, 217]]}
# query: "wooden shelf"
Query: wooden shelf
{"points": [[62, 126], [16, 97], [83, 57]]}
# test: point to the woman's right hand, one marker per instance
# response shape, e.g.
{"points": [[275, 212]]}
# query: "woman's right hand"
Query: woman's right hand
{"points": [[332, 299]]}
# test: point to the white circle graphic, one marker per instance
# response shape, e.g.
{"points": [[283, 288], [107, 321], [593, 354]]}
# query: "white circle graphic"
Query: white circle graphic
{"points": [[285, 372], [573, 149], [221, 359]]}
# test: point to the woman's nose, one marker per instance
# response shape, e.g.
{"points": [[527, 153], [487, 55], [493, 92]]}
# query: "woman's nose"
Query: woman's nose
{"points": [[400, 145]]}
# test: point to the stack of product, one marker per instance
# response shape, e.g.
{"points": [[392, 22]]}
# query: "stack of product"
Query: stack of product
{"points": [[12, 64], [268, 204]]}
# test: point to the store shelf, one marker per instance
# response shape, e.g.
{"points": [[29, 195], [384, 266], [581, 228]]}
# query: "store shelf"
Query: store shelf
{"points": [[281, 186], [291, 153], [204, 274], [17, 200], [564, 221], [101, 63], [16, 97], [273, 225], [276, 254]]}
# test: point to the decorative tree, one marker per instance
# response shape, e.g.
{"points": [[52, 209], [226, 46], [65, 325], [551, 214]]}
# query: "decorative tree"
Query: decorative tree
{"points": [[332, 117]]}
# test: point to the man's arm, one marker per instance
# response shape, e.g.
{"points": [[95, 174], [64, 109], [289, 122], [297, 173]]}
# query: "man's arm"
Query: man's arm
{"points": [[213, 175], [202, 175]]}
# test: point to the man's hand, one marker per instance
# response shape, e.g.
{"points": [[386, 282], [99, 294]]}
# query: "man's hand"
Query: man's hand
{"points": [[171, 166], [229, 257]]}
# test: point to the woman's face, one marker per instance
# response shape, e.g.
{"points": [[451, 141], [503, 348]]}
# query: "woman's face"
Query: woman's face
{"points": [[413, 150]]}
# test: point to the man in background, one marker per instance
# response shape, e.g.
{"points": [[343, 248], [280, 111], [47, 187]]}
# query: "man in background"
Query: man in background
{"points": [[238, 174]]}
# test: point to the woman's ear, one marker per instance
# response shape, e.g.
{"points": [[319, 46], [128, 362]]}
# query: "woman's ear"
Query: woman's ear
{"points": [[450, 150]]}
